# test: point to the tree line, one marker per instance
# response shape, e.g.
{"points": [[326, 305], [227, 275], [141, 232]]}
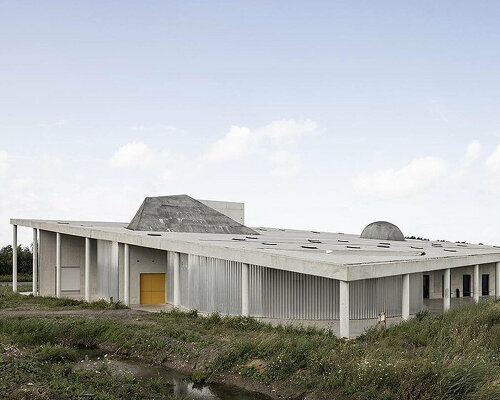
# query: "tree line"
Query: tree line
{"points": [[24, 260]]}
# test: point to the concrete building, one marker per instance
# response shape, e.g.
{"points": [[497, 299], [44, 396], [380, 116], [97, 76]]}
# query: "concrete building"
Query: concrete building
{"points": [[198, 255]]}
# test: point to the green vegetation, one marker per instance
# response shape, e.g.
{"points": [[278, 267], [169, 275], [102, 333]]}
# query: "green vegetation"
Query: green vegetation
{"points": [[450, 356], [20, 278], [24, 261], [48, 373], [10, 300]]}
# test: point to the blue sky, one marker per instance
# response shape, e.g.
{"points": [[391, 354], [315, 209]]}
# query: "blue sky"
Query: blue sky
{"points": [[318, 115]]}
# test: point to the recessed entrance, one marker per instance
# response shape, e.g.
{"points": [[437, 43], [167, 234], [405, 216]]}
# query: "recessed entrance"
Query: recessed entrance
{"points": [[466, 286], [152, 288], [485, 285]]}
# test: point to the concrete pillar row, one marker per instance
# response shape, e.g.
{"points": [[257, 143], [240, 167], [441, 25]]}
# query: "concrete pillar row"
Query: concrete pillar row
{"points": [[126, 274], [497, 280], [87, 269], [176, 259], [14, 258], [476, 283], [405, 314], [244, 290], [447, 290], [344, 309], [58, 264], [35, 261]]}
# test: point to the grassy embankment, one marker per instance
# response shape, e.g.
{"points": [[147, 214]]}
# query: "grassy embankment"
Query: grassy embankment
{"points": [[20, 278], [451, 356]]}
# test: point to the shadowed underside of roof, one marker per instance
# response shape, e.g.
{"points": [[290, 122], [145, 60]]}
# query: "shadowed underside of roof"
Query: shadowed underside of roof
{"points": [[182, 213]]}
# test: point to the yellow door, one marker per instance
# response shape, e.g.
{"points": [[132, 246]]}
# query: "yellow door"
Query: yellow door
{"points": [[152, 288]]}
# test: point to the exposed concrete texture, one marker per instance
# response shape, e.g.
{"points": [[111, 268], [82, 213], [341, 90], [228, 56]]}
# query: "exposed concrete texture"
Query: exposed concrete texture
{"points": [[231, 209], [182, 213], [35, 263], [382, 230], [406, 297], [477, 283], [14, 258], [344, 309], [338, 256], [72, 256], [145, 261], [496, 289], [447, 289]]}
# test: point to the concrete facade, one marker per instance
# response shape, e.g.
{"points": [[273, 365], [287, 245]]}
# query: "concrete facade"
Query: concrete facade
{"points": [[277, 274]]}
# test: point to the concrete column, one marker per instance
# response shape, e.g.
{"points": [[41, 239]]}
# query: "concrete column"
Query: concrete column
{"points": [[87, 269], [405, 314], [58, 264], [447, 290], [176, 258], [344, 309], [115, 259], [497, 280], [35, 261], [244, 290], [477, 286], [14, 258], [126, 274]]}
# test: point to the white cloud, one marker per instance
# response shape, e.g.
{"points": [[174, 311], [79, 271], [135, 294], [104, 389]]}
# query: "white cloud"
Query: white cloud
{"points": [[472, 153], [135, 154], [419, 174], [242, 141], [286, 132], [235, 144], [493, 162]]}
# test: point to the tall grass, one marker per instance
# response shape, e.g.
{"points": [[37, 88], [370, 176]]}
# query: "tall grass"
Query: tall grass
{"points": [[455, 355]]}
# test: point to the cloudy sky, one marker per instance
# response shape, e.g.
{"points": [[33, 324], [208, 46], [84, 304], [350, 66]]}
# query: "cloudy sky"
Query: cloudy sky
{"points": [[318, 115]]}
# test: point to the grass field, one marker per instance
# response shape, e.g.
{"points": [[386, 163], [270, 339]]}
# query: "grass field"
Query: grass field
{"points": [[451, 356], [20, 278]]}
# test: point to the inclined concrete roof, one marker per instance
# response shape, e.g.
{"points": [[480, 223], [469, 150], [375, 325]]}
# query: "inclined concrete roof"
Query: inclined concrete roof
{"points": [[333, 257]]}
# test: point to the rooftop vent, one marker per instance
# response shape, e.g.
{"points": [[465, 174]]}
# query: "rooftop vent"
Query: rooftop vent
{"points": [[382, 230], [305, 246], [269, 243], [353, 247], [239, 239], [343, 241], [314, 240], [251, 237], [154, 234]]}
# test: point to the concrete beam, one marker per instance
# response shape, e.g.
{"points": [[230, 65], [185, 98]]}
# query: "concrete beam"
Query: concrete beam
{"points": [[126, 274], [344, 309], [447, 290], [497, 280], [477, 293], [14, 258], [35, 262], [58, 264], [176, 259], [244, 291], [406, 297], [87, 269]]}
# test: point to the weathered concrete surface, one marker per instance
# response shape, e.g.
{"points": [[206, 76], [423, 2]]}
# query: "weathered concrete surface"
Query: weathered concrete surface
{"points": [[233, 210], [382, 230], [182, 213], [338, 256]]}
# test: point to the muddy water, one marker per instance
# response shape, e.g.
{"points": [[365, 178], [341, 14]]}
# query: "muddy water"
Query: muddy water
{"points": [[181, 385]]}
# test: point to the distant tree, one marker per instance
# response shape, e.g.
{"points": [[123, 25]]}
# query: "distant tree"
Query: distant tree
{"points": [[24, 260]]}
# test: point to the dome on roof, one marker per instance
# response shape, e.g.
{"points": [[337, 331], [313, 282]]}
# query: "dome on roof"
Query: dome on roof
{"points": [[382, 230]]}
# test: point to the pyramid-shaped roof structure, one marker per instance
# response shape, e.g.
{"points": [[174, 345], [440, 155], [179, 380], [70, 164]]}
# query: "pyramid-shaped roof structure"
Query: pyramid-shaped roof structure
{"points": [[182, 213]]}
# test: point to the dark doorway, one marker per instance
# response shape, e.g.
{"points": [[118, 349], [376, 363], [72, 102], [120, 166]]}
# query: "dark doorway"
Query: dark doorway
{"points": [[466, 288], [457, 293], [486, 285], [426, 286]]}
